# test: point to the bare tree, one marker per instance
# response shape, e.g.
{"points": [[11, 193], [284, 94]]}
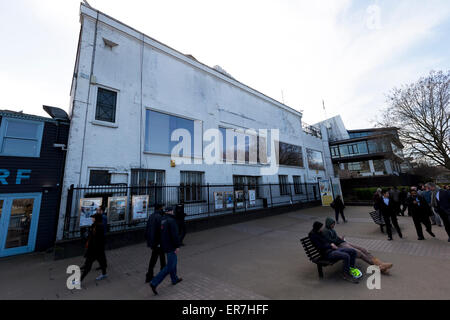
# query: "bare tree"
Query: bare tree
{"points": [[422, 113]]}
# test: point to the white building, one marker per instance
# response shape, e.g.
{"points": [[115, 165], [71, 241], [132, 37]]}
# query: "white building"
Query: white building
{"points": [[129, 90]]}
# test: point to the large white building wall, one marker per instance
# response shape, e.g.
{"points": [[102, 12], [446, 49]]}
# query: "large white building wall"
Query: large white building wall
{"points": [[147, 74]]}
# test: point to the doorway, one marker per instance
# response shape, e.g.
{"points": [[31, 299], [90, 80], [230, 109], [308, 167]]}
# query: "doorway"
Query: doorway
{"points": [[19, 215]]}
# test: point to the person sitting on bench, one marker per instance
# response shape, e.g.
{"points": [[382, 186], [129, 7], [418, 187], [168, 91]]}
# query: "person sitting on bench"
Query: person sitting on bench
{"points": [[329, 251], [330, 234]]}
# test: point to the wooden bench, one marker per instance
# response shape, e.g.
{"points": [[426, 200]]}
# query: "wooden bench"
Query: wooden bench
{"points": [[378, 219], [314, 255]]}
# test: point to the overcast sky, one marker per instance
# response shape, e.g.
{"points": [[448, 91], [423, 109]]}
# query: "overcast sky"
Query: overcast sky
{"points": [[348, 53]]}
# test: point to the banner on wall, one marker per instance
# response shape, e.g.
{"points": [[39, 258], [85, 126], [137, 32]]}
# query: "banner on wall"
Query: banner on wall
{"points": [[88, 207], [252, 197], [218, 200], [140, 207], [326, 194], [117, 207], [229, 199], [239, 198]]}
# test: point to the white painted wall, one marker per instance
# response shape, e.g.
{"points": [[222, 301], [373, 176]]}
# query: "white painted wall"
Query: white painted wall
{"points": [[147, 74]]}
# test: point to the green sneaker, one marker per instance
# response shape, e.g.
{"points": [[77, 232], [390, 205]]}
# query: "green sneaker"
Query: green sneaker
{"points": [[356, 273]]}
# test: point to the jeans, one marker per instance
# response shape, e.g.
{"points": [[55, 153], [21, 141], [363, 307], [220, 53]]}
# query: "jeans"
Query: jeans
{"points": [[361, 252], [347, 255], [435, 218], [170, 268]]}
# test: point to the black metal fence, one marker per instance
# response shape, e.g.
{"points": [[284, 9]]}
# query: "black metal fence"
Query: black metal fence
{"points": [[128, 207]]}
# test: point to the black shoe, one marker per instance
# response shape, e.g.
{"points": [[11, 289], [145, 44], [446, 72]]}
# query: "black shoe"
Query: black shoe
{"points": [[148, 279], [153, 289], [421, 238], [178, 281], [431, 234], [390, 239], [400, 235]]}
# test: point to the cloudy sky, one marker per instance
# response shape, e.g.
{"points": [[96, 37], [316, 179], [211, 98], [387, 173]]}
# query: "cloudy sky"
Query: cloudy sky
{"points": [[348, 53]]}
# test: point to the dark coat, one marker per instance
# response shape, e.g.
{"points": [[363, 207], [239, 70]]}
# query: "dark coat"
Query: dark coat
{"points": [[386, 210], [338, 204], [321, 243], [96, 240], [376, 201], [443, 205], [153, 230], [421, 209], [179, 213], [170, 239]]}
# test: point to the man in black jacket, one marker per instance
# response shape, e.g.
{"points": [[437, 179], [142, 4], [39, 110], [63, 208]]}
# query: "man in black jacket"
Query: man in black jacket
{"points": [[170, 244], [388, 209], [329, 251], [420, 211], [153, 236], [441, 202]]}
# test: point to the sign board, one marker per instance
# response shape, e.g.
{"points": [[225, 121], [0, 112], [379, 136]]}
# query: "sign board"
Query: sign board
{"points": [[117, 207], [229, 199], [140, 207], [218, 200], [326, 194], [88, 207], [252, 197]]}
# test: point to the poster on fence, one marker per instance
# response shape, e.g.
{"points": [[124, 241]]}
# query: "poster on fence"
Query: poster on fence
{"points": [[325, 192], [218, 200], [140, 207], [252, 197], [117, 207], [88, 207], [239, 198], [229, 199]]}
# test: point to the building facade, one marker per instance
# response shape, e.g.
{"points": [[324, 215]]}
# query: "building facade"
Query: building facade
{"points": [[32, 152], [131, 93], [365, 152]]}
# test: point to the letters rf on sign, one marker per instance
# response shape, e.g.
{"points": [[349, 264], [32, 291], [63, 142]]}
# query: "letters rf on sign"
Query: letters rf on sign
{"points": [[247, 309]]}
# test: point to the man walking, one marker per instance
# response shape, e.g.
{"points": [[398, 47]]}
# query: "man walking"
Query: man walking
{"points": [[153, 236], [170, 244], [395, 197], [441, 200], [387, 210], [420, 211], [428, 195]]}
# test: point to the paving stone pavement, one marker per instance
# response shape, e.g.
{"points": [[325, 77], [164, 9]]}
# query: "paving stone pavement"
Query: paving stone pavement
{"points": [[259, 259]]}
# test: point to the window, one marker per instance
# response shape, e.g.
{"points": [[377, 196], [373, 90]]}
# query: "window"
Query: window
{"points": [[149, 183], [106, 105], [334, 152], [284, 186], [191, 183], [243, 144], [99, 178], [247, 182], [378, 165], [361, 166], [21, 138], [315, 160], [158, 131], [289, 155], [297, 184]]}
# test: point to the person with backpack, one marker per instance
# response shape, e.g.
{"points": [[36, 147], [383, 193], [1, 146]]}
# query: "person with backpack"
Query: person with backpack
{"points": [[170, 244], [338, 206], [153, 237]]}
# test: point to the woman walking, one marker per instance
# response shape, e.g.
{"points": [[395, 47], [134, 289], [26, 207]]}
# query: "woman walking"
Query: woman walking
{"points": [[338, 206], [95, 247]]}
